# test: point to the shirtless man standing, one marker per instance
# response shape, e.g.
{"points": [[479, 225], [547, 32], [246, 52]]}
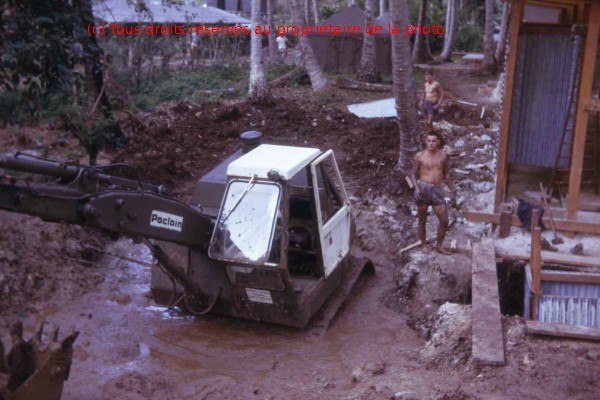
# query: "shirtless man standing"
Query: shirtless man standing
{"points": [[432, 97], [431, 167]]}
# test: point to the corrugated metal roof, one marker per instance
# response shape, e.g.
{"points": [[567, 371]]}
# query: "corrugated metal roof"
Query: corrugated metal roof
{"points": [[119, 11]]}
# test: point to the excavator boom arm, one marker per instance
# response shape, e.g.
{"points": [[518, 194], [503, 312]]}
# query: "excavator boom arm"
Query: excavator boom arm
{"points": [[88, 196]]}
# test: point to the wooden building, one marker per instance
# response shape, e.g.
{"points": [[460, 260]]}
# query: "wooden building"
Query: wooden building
{"points": [[550, 126]]}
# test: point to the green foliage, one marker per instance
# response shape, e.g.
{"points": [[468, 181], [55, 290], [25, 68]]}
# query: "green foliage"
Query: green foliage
{"points": [[327, 10], [469, 38], [436, 15], [92, 131], [40, 44], [324, 98], [185, 85], [274, 71]]}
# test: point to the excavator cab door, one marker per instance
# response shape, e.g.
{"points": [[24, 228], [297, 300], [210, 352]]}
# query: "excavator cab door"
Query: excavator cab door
{"points": [[333, 211]]}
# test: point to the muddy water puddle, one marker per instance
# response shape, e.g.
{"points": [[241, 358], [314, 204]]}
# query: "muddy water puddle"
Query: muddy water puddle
{"points": [[123, 332]]}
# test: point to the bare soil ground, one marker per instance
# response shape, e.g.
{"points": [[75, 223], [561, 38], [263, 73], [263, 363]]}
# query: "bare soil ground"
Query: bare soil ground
{"points": [[401, 337]]}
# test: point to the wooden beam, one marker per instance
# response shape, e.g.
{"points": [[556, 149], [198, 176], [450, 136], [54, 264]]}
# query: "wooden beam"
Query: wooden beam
{"points": [[516, 18], [561, 330], [592, 226], [581, 119], [488, 342], [550, 257], [536, 268], [570, 277]]}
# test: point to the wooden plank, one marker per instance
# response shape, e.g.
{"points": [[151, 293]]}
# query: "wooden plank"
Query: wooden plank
{"points": [[516, 18], [584, 224], [581, 119], [548, 257], [561, 330], [488, 342], [570, 277], [536, 265]]}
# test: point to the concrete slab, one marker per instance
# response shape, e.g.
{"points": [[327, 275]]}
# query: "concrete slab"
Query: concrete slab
{"points": [[488, 341], [385, 108]]}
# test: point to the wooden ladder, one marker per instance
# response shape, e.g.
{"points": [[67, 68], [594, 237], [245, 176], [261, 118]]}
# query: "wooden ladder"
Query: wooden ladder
{"points": [[566, 140]]}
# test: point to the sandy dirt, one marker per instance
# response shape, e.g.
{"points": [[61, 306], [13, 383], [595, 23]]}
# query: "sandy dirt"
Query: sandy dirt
{"points": [[405, 335]]}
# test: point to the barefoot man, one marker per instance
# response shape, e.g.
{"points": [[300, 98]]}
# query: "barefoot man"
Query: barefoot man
{"points": [[432, 97], [431, 167]]}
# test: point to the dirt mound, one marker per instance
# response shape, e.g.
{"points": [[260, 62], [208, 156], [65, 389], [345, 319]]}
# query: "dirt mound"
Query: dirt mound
{"points": [[426, 282], [29, 245], [184, 140], [451, 340]]}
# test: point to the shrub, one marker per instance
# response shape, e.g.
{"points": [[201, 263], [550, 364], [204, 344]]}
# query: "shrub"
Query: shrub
{"points": [[469, 38]]}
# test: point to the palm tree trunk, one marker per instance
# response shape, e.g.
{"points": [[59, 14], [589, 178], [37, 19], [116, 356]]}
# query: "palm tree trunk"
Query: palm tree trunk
{"points": [[307, 11], [316, 12], [366, 70], [258, 90], [450, 34], [318, 80], [488, 36], [422, 52], [273, 50], [501, 47], [404, 89]]}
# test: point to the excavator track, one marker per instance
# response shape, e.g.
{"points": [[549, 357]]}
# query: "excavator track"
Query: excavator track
{"points": [[356, 274]]}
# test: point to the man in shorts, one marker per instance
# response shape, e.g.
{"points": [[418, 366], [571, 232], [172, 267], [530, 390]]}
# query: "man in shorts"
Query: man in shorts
{"points": [[428, 172], [432, 97], [282, 43]]}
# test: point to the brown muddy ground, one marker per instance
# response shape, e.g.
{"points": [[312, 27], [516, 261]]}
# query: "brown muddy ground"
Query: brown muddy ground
{"points": [[383, 344]]}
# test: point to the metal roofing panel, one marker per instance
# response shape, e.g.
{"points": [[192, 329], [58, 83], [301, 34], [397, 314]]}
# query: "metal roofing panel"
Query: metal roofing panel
{"points": [[565, 302], [119, 11], [545, 70]]}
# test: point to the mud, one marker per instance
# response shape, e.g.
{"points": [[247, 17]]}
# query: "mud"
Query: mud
{"points": [[130, 348]]}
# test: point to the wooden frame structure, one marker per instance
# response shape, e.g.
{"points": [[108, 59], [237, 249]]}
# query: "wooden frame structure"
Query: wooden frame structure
{"points": [[586, 12]]}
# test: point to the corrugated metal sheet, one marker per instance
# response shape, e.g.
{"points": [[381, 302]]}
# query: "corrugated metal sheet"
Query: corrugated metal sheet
{"points": [[565, 303], [543, 76], [569, 310], [120, 11]]}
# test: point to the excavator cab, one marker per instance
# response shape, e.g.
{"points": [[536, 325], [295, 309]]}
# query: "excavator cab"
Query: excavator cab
{"points": [[282, 235]]}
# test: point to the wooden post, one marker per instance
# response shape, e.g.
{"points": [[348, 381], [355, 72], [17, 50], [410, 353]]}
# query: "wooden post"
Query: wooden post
{"points": [[505, 224], [516, 19], [536, 268], [581, 119]]}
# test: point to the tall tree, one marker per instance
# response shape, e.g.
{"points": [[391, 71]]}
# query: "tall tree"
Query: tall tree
{"points": [[501, 46], [450, 33], [421, 51], [258, 90], [404, 89], [316, 12], [318, 80], [488, 37], [366, 69], [307, 11], [273, 50]]}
